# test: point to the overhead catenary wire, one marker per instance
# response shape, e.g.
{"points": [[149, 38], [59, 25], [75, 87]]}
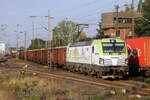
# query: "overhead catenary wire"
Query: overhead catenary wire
{"points": [[92, 21], [79, 17], [96, 11], [92, 14], [87, 4]]}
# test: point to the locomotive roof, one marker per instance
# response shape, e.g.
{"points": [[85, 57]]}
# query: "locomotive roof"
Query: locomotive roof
{"points": [[83, 43], [88, 43]]}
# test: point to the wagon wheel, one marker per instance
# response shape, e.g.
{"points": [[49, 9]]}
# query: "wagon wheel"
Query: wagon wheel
{"points": [[147, 73]]}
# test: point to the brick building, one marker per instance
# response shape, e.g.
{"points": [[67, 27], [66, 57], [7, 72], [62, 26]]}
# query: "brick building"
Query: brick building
{"points": [[124, 23]]}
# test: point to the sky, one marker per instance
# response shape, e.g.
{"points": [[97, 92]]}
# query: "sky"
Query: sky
{"points": [[15, 12]]}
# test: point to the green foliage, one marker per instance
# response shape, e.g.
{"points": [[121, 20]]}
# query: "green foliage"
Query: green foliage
{"points": [[138, 78], [139, 9], [127, 8], [38, 44], [146, 9], [142, 28], [147, 80], [56, 40], [100, 31], [64, 33], [142, 25]]}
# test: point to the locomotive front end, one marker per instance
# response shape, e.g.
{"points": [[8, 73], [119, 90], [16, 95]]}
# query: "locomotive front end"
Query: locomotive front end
{"points": [[114, 57]]}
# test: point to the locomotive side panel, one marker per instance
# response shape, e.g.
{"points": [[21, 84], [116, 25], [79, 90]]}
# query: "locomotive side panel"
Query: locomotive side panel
{"points": [[80, 54]]}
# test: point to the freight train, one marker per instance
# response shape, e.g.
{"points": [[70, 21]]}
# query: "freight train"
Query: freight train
{"points": [[106, 58], [4, 49], [139, 55]]}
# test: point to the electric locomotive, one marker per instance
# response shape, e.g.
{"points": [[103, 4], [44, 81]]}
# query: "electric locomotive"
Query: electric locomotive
{"points": [[106, 58]]}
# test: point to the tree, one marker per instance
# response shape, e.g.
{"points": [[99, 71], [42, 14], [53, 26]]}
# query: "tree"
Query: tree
{"points": [[56, 38], [100, 31], [38, 44], [64, 33], [127, 8], [146, 9], [139, 9], [142, 25]]}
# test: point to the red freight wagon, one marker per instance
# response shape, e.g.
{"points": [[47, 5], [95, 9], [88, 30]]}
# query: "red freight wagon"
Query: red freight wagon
{"points": [[30, 55], [139, 53], [13, 54], [44, 56], [21, 54], [39, 56], [54, 56], [62, 55], [58, 56], [35, 55]]}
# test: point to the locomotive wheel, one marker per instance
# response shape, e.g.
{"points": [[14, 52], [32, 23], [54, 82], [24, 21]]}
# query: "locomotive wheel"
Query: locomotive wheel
{"points": [[99, 74]]}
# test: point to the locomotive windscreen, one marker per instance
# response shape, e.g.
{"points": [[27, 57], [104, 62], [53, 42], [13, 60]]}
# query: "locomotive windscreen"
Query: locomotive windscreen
{"points": [[116, 47]]}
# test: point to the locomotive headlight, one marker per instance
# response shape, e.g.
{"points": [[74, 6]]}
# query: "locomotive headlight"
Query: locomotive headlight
{"points": [[101, 61], [126, 61]]}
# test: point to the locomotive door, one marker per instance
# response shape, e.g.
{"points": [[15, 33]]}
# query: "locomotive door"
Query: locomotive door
{"points": [[95, 55]]}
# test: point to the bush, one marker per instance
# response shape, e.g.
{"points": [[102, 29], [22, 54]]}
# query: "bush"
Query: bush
{"points": [[147, 80]]}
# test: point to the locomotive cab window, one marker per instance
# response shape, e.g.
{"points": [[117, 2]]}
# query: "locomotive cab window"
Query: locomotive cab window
{"points": [[92, 49], [113, 47], [96, 49]]}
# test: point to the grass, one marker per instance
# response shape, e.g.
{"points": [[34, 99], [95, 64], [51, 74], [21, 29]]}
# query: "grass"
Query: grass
{"points": [[29, 87], [147, 80], [141, 79], [35, 88]]}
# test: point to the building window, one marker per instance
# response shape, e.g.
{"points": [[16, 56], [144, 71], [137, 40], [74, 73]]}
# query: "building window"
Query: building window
{"points": [[123, 20], [118, 33]]}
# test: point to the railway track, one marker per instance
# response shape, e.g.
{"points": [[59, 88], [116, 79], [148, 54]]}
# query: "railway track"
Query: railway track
{"points": [[3, 59], [129, 86]]}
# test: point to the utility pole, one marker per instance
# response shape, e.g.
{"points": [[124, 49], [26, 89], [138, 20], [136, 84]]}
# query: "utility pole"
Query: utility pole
{"points": [[80, 27], [49, 44], [88, 28], [32, 17], [17, 37], [39, 43], [16, 46], [116, 22], [33, 32], [25, 48], [132, 7]]}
